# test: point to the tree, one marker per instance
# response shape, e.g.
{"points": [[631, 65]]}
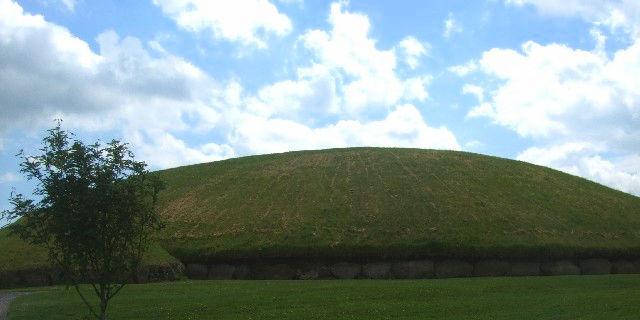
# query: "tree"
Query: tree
{"points": [[95, 212]]}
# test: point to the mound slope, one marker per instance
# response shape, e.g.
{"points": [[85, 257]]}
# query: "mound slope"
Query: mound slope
{"points": [[384, 203]]}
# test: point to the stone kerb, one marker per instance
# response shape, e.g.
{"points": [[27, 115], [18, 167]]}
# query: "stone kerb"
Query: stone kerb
{"points": [[418, 269], [491, 268], [221, 272], [197, 271], [559, 268], [378, 270], [525, 268], [624, 267], [595, 266], [346, 270], [413, 269], [407, 269], [453, 268]]}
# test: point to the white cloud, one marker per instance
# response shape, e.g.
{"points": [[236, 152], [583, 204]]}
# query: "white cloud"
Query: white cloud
{"points": [[403, 127], [477, 91], [69, 4], [582, 159], [46, 73], [313, 94], [367, 75], [9, 177], [533, 98], [581, 105], [42, 66], [414, 88], [348, 76], [451, 26], [168, 151], [465, 69], [298, 2], [65, 5], [617, 14], [245, 21], [412, 50], [156, 101], [473, 144]]}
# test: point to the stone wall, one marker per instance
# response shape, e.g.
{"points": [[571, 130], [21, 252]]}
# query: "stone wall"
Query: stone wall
{"points": [[408, 269], [411, 269]]}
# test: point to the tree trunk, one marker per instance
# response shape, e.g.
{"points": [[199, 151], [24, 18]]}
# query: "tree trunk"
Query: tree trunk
{"points": [[103, 308]]}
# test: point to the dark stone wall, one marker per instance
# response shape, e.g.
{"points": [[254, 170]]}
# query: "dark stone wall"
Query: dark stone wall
{"points": [[419, 269], [408, 269]]}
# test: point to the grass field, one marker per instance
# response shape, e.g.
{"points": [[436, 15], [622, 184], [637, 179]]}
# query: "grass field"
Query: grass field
{"points": [[581, 297]]}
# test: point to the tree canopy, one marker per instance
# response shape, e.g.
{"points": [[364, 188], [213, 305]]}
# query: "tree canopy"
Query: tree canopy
{"points": [[94, 211]]}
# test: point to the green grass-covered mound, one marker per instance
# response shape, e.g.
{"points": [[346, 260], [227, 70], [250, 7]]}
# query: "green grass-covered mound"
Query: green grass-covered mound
{"points": [[379, 203], [19, 256]]}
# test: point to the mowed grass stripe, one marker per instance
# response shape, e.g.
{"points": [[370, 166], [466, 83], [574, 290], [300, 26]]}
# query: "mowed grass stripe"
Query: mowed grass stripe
{"points": [[584, 297]]}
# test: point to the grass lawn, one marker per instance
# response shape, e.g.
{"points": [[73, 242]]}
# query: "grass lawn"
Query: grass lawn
{"points": [[569, 297]]}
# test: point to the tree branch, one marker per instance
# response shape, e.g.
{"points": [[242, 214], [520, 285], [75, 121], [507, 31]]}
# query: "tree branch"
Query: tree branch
{"points": [[75, 285]]}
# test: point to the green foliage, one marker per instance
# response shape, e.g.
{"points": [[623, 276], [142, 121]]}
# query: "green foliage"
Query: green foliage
{"points": [[95, 211], [373, 203], [577, 297]]}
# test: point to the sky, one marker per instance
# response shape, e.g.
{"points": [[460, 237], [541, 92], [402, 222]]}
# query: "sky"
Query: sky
{"points": [[554, 83]]}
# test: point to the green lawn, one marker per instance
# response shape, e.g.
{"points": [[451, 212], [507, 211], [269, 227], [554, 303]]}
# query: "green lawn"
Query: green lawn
{"points": [[569, 297]]}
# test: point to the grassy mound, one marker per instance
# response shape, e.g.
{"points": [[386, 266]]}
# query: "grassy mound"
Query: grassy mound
{"points": [[362, 203], [377, 203], [17, 256]]}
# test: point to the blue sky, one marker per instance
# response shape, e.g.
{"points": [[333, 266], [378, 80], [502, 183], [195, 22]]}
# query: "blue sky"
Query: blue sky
{"points": [[556, 83]]}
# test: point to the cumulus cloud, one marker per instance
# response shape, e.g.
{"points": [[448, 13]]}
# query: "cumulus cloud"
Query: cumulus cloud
{"points": [[324, 105], [244, 21], [451, 26], [621, 15], [69, 4], [582, 159], [46, 73], [533, 98], [169, 151], [464, 69], [298, 2], [579, 105], [412, 50], [367, 74], [41, 65], [157, 101], [314, 94], [474, 90], [403, 127]]}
